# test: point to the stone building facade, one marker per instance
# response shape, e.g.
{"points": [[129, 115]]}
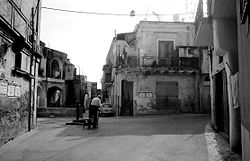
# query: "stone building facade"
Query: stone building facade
{"points": [[19, 61], [60, 90], [156, 69], [225, 32]]}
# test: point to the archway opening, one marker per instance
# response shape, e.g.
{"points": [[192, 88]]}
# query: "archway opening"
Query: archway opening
{"points": [[54, 97], [55, 69]]}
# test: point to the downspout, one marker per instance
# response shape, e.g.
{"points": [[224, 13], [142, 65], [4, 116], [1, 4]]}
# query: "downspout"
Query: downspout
{"points": [[31, 64], [31, 103], [199, 82], [34, 94]]}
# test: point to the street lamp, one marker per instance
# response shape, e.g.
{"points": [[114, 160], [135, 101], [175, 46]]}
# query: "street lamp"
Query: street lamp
{"points": [[132, 13]]}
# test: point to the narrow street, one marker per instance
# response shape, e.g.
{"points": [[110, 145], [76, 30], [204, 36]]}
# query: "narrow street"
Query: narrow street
{"points": [[144, 138]]}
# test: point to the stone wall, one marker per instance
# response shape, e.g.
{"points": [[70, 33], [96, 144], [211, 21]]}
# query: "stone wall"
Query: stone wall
{"points": [[57, 112], [13, 117], [187, 92], [13, 106]]}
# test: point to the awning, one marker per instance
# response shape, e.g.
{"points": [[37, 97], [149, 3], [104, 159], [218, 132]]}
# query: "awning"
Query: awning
{"points": [[204, 35]]}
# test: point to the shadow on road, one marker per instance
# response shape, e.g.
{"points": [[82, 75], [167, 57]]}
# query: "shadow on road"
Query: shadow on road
{"points": [[187, 124]]}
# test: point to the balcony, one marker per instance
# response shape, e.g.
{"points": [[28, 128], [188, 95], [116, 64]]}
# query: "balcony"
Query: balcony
{"points": [[127, 62], [107, 78], [107, 68], [180, 63]]}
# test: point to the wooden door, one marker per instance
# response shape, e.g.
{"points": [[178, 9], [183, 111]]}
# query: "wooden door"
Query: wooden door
{"points": [[127, 98], [167, 95]]}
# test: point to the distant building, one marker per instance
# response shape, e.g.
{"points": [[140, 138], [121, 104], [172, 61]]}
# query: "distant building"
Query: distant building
{"points": [[60, 90], [19, 61], [93, 89], [157, 69]]}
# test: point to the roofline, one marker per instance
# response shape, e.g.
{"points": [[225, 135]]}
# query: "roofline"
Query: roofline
{"points": [[173, 22]]}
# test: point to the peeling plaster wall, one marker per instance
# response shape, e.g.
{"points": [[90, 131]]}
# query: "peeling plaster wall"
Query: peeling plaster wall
{"points": [[244, 77], [13, 110], [187, 92], [13, 117], [149, 34]]}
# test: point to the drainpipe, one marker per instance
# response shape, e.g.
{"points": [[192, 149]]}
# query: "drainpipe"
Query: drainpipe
{"points": [[199, 81], [31, 64], [31, 99]]}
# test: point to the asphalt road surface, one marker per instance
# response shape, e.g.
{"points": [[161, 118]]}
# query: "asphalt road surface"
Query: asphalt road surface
{"points": [[143, 138]]}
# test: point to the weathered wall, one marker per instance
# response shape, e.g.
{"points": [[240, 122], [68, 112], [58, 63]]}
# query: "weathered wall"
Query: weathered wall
{"points": [[245, 134], [204, 61], [149, 33], [13, 110], [57, 112], [13, 117], [15, 101], [244, 78], [205, 97], [69, 72], [187, 92]]}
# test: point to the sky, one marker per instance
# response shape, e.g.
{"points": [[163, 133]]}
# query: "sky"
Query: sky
{"points": [[86, 38]]}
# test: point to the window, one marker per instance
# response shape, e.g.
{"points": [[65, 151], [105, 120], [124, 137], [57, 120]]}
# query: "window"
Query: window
{"points": [[22, 61], [6, 10], [25, 63], [220, 59], [20, 24], [165, 49], [166, 55], [190, 52], [18, 60], [55, 70]]}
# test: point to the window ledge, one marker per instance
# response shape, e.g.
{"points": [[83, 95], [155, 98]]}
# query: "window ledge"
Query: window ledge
{"points": [[22, 73]]}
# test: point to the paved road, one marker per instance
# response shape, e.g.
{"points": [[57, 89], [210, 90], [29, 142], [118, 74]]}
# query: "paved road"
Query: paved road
{"points": [[144, 138]]}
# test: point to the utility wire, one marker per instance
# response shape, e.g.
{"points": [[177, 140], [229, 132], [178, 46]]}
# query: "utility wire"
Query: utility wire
{"points": [[111, 14]]}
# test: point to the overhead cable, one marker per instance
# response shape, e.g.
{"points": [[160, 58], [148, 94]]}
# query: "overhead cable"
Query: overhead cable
{"points": [[111, 14]]}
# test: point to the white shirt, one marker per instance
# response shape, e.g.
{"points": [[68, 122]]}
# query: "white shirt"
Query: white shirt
{"points": [[96, 102]]}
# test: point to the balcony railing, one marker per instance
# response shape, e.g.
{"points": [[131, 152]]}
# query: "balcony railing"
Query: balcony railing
{"points": [[107, 68], [127, 62], [171, 63]]}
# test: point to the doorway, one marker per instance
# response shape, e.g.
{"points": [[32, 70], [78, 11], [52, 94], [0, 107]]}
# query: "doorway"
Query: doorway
{"points": [[221, 103], [167, 96], [127, 98]]}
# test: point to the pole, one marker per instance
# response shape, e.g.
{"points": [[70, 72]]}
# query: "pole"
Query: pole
{"points": [[31, 97], [31, 64], [80, 90]]}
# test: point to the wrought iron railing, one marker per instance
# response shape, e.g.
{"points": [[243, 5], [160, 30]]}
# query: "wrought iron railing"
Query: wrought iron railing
{"points": [[171, 63]]}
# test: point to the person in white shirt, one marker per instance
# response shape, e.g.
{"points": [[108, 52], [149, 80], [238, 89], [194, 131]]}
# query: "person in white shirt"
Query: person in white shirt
{"points": [[96, 101], [93, 110]]}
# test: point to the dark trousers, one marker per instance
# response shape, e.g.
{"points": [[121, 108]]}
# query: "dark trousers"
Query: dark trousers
{"points": [[93, 111]]}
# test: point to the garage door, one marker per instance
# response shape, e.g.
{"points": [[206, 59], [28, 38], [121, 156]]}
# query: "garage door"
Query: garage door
{"points": [[167, 95]]}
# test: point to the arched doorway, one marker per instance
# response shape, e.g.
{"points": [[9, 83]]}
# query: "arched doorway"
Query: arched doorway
{"points": [[54, 97], [55, 68]]}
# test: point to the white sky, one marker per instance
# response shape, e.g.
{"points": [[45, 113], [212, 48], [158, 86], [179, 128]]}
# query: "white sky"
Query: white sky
{"points": [[87, 38]]}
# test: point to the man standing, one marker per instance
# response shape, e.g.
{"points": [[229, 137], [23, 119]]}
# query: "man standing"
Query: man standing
{"points": [[93, 110]]}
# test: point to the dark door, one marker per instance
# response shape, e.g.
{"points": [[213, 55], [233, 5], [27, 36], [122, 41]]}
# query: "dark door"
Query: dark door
{"points": [[127, 98], [167, 95], [221, 103]]}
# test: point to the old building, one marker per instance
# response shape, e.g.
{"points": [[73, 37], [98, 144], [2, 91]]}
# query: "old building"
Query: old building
{"points": [[60, 90], [225, 32], [156, 69], [19, 62]]}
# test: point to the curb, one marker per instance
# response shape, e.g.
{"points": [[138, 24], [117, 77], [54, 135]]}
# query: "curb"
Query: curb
{"points": [[218, 148]]}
